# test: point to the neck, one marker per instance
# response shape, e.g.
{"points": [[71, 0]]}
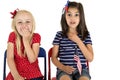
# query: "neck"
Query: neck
{"points": [[73, 31]]}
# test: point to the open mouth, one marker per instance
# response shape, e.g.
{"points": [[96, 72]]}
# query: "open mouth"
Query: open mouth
{"points": [[72, 22]]}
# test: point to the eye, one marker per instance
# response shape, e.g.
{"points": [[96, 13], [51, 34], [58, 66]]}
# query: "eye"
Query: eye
{"points": [[77, 14], [19, 22], [27, 21], [69, 14]]}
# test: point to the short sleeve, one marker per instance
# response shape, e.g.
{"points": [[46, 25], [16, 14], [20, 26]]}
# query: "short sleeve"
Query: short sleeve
{"points": [[57, 38], [12, 37], [88, 40], [36, 38]]}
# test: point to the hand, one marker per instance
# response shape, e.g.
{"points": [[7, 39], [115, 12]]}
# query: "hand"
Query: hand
{"points": [[68, 69], [25, 33], [73, 37]]}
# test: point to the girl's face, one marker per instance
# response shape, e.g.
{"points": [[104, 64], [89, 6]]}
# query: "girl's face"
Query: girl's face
{"points": [[23, 23], [72, 17]]}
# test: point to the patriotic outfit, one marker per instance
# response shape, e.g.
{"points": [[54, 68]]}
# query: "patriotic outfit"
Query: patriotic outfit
{"points": [[25, 68], [68, 48]]}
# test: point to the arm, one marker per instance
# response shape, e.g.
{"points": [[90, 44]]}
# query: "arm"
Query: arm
{"points": [[11, 63], [56, 62], [86, 49], [32, 53]]}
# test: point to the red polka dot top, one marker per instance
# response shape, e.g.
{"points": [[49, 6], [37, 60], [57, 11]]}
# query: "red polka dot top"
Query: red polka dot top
{"points": [[24, 67]]}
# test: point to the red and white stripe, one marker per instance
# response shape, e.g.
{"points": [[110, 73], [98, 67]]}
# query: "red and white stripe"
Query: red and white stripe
{"points": [[79, 66]]}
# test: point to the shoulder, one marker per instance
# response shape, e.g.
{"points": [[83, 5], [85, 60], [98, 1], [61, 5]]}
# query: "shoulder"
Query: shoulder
{"points": [[59, 33], [12, 34], [36, 38], [88, 39], [12, 37], [36, 35], [88, 36]]}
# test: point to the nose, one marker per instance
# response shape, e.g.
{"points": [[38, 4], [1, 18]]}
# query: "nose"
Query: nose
{"points": [[24, 24], [72, 17]]}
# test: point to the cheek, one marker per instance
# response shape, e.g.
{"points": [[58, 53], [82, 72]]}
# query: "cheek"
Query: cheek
{"points": [[78, 20], [30, 28], [18, 28], [67, 20]]}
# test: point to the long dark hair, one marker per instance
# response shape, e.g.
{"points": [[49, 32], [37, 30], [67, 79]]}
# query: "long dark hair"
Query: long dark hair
{"points": [[81, 28]]}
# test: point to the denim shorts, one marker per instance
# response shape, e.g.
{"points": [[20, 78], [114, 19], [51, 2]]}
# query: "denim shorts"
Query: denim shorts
{"points": [[75, 75]]}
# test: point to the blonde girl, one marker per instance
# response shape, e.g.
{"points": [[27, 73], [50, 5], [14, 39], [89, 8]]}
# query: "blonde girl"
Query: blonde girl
{"points": [[23, 47]]}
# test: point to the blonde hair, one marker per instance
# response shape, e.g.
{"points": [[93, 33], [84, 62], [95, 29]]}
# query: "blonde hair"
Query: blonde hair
{"points": [[18, 37]]}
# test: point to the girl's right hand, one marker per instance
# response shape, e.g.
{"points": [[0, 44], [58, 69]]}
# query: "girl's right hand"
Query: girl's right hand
{"points": [[68, 69]]}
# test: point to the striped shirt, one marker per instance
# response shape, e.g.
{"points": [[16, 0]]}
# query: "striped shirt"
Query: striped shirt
{"points": [[67, 49]]}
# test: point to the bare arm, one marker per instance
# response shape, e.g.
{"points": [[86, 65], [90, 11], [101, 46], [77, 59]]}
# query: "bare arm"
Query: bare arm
{"points": [[86, 49], [56, 62], [11, 63], [32, 53]]}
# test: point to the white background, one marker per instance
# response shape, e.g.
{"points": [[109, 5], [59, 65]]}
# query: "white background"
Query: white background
{"points": [[102, 18]]}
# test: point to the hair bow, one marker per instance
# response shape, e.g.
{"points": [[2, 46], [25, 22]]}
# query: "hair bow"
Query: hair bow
{"points": [[14, 13], [66, 7]]}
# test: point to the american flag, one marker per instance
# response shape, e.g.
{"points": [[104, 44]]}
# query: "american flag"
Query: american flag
{"points": [[77, 59]]}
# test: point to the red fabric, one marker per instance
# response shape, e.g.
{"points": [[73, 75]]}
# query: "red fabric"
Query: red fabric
{"points": [[24, 67]]}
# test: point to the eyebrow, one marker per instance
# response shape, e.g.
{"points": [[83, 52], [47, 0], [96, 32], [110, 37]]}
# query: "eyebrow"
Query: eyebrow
{"points": [[71, 12], [21, 20]]}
